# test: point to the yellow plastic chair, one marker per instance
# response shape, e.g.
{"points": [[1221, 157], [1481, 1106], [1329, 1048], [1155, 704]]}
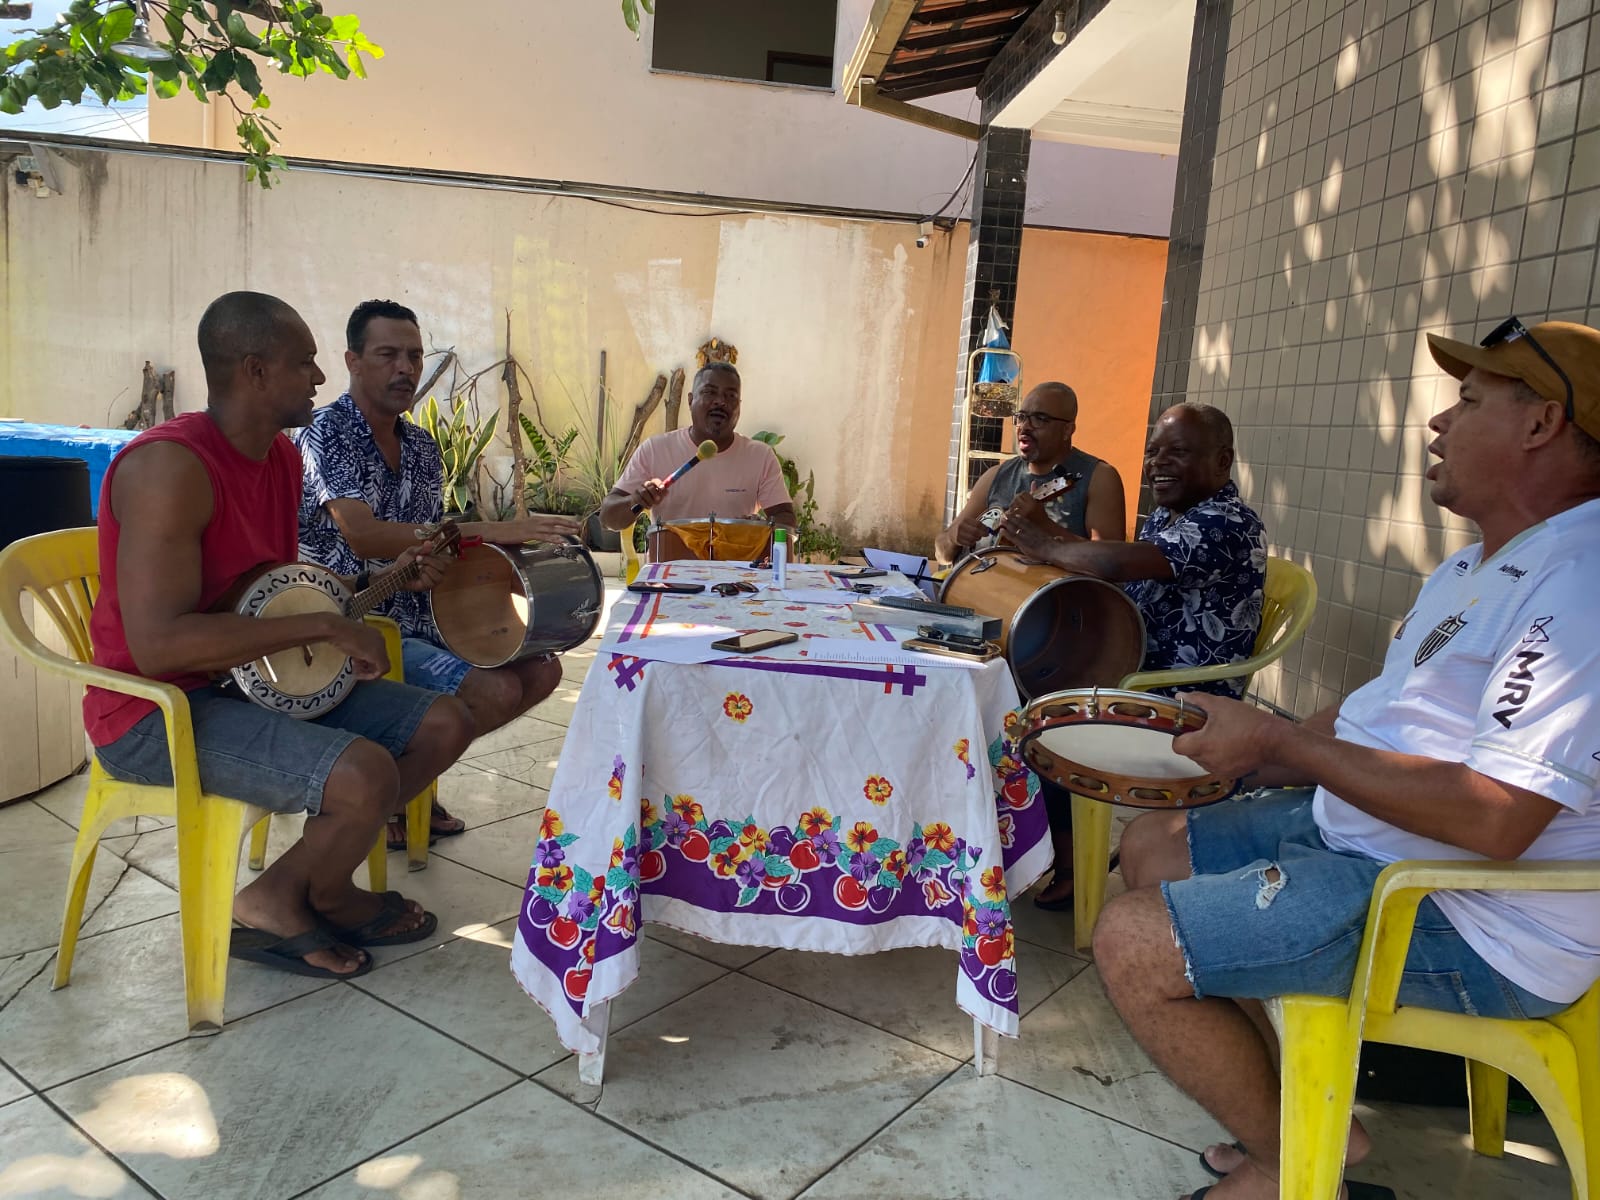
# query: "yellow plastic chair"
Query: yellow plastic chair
{"points": [[1557, 1058], [419, 810], [1289, 599], [61, 572], [632, 560]]}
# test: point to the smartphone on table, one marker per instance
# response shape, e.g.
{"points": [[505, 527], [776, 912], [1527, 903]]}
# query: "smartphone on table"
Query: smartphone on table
{"points": [[755, 640], [653, 587]]}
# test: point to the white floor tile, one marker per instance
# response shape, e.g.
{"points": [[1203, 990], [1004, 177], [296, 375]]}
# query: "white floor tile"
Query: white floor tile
{"points": [[25, 823], [126, 997], [480, 797], [281, 1101], [523, 1142], [36, 889], [1075, 1047], [11, 1089], [466, 989], [533, 764], [503, 849], [757, 1087], [43, 1155], [976, 1139], [910, 993]]}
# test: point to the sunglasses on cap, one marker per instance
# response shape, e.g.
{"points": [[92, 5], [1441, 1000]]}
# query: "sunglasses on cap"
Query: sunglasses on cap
{"points": [[1512, 329]]}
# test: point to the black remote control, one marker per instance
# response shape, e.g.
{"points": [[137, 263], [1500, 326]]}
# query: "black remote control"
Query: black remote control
{"points": [[925, 606]]}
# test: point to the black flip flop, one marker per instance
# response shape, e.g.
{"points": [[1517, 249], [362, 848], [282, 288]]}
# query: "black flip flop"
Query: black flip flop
{"points": [[435, 834], [289, 953], [1065, 903], [371, 933], [1206, 1166], [1354, 1189]]}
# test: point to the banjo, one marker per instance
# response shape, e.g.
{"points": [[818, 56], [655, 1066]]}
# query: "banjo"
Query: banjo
{"points": [[312, 680]]}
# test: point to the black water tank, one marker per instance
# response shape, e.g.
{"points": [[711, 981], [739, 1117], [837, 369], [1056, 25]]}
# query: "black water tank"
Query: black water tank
{"points": [[40, 495]]}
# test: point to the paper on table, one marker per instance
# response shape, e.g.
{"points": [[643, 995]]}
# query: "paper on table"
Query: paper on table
{"points": [[687, 647], [855, 650]]}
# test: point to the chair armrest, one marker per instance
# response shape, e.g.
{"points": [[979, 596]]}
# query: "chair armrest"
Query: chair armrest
{"points": [[167, 697], [1403, 885], [391, 643], [1143, 681]]}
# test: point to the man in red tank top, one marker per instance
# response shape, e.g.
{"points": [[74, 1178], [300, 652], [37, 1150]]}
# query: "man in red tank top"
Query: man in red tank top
{"points": [[187, 510]]}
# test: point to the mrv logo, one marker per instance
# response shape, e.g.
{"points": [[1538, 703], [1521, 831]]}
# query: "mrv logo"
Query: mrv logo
{"points": [[1518, 686]]}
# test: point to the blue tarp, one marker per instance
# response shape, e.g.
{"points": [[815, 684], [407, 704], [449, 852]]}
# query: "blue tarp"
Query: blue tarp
{"points": [[97, 447]]}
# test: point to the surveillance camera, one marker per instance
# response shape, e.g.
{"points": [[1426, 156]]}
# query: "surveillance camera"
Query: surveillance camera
{"points": [[1058, 35], [924, 234]]}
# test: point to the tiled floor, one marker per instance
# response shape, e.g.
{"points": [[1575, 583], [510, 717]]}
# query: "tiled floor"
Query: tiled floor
{"points": [[732, 1071]]}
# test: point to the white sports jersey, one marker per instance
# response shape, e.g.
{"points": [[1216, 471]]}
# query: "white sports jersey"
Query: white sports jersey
{"points": [[1498, 666]]}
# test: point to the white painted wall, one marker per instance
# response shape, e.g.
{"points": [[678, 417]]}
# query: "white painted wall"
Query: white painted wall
{"points": [[559, 89]]}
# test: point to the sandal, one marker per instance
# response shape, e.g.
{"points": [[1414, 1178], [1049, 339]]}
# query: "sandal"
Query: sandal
{"points": [[289, 953], [375, 932], [1205, 1163], [440, 825], [1064, 903]]}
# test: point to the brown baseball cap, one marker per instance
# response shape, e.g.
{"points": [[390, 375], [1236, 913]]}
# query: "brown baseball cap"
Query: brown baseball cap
{"points": [[1571, 357]]}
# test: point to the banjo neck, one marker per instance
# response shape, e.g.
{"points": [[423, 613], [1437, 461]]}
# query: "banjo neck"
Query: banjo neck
{"points": [[446, 538]]}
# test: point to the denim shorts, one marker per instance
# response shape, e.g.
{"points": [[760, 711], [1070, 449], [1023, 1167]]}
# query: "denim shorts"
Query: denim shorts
{"points": [[1248, 937], [249, 753], [432, 667]]}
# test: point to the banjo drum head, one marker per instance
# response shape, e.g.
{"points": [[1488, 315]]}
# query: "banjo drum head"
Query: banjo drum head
{"points": [[1116, 746]]}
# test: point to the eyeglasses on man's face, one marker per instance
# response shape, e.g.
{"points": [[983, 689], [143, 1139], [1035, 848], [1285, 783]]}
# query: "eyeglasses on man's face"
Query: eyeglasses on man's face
{"points": [[1038, 420], [1512, 329], [733, 589]]}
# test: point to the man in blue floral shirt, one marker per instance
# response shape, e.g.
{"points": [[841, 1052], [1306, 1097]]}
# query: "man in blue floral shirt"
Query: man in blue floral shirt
{"points": [[1199, 564], [371, 479], [1196, 570]]}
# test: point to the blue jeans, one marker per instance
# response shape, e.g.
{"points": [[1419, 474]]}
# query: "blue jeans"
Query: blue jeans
{"points": [[249, 753], [1270, 910], [432, 667]]}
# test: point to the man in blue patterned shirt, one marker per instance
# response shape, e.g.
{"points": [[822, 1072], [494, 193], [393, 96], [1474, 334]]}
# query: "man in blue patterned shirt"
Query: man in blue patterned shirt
{"points": [[371, 478], [1196, 570]]}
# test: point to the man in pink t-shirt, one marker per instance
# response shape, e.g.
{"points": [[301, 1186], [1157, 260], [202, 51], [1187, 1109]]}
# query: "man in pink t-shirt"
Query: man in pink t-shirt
{"points": [[742, 480]]}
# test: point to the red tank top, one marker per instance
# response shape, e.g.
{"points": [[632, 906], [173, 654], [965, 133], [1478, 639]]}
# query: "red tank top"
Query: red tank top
{"points": [[254, 520]]}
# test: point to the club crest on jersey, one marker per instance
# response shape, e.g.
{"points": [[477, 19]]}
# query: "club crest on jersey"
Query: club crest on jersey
{"points": [[1439, 635]]}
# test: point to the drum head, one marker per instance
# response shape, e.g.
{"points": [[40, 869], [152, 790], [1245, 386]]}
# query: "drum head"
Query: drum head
{"points": [[1075, 632], [1121, 749], [1116, 746], [481, 602]]}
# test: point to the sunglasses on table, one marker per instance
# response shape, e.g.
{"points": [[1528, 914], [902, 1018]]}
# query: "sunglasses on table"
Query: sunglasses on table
{"points": [[1512, 329], [734, 589], [1042, 420]]}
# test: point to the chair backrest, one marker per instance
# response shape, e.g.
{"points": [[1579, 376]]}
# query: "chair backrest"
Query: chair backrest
{"points": [[1289, 598], [61, 571]]}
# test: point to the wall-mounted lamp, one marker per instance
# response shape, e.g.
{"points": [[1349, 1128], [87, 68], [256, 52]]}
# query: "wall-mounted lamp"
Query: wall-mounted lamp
{"points": [[1058, 34]]}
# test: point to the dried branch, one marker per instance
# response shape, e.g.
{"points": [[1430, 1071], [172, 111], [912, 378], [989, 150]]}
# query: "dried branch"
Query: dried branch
{"points": [[519, 458], [674, 397]]}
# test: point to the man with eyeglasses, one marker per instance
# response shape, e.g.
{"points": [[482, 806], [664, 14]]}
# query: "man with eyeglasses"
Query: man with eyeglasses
{"points": [[1479, 740], [1087, 501]]}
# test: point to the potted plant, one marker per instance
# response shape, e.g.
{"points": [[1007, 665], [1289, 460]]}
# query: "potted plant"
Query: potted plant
{"points": [[814, 541], [461, 442]]}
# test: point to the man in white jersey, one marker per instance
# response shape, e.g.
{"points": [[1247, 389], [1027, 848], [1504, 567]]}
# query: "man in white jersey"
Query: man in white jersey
{"points": [[1479, 740]]}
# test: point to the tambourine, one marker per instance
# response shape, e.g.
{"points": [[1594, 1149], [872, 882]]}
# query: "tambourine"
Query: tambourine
{"points": [[1116, 746]]}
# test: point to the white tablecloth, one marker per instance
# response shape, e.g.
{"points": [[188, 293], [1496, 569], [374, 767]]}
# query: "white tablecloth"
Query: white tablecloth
{"points": [[781, 801]]}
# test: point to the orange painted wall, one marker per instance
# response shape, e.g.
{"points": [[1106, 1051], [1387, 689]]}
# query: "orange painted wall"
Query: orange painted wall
{"points": [[1088, 311]]}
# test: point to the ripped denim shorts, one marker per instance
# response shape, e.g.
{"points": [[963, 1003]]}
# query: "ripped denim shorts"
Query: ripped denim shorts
{"points": [[1270, 910]]}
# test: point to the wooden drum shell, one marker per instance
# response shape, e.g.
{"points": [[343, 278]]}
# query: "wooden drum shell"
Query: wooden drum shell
{"points": [[500, 604], [1058, 629]]}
